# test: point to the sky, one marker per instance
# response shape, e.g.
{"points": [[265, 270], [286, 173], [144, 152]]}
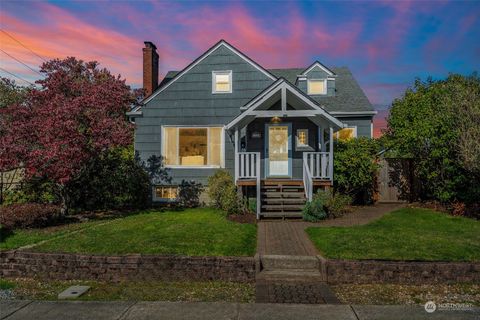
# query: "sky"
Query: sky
{"points": [[386, 44]]}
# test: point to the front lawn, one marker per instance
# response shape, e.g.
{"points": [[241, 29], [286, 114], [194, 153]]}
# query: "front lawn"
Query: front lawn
{"points": [[20, 238], [193, 232], [405, 234]]}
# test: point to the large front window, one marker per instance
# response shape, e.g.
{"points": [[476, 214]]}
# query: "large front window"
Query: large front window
{"points": [[193, 147]]}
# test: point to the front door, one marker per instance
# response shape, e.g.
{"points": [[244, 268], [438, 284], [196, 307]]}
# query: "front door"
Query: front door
{"points": [[278, 150]]}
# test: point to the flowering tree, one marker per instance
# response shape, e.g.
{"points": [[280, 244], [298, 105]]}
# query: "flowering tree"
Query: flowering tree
{"points": [[77, 113]]}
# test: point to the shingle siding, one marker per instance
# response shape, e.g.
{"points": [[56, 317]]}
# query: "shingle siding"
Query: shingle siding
{"points": [[189, 101], [363, 125]]}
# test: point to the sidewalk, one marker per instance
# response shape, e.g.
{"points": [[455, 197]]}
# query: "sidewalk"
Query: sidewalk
{"points": [[122, 310]]}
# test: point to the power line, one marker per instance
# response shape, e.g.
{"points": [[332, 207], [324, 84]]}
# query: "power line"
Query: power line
{"points": [[19, 61], [24, 45], [18, 77]]}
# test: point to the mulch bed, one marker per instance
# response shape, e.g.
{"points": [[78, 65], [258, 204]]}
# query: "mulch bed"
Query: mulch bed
{"points": [[243, 218]]}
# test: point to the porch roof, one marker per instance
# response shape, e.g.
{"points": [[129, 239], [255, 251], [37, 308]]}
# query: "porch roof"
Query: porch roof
{"points": [[282, 90]]}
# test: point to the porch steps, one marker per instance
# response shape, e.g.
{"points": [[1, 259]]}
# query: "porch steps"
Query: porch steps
{"points": [[282, 198]]}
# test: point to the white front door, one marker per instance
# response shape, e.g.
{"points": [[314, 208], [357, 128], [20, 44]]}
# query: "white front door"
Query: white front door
{"points": [[278, 150]]}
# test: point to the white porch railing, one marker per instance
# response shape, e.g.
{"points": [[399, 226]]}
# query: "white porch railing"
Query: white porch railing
{"points": [[247, 166], [316, 165]]}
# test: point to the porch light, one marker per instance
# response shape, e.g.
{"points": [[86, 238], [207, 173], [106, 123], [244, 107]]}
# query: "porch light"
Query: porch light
{"points": [[276, 120]]}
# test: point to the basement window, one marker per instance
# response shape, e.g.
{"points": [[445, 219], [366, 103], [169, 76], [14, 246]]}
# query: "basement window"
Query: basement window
{"points": [[167, 193], [222, 81]]}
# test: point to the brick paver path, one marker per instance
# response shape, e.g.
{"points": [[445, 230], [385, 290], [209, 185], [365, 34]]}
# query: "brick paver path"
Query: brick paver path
{"points": [[288, 238]]}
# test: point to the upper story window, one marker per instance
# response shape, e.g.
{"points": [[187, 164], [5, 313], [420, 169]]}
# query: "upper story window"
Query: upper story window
{"points": [[222, 81], [317, 86]]}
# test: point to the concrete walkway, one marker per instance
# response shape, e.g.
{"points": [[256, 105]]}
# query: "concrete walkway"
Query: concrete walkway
{"points": [[75, 310]]}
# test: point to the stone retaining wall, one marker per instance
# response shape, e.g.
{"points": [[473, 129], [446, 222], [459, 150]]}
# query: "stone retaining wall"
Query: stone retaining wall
{"points": [[412, 272], [128, 267]]}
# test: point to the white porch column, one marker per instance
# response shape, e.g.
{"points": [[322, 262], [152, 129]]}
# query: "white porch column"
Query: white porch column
{"points": [[330, 162], [236, 146], [321, 140]]}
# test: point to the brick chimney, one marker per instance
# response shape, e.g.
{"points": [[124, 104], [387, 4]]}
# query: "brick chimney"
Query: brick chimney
{"points": [[150, 68]]}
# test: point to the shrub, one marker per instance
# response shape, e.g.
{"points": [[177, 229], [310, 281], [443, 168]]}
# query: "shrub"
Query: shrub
{"points": [[28, 215], [326, 204], [355, 168], [336, 204], [314, 210], [189, 194], [223, 193], [115, 179]]}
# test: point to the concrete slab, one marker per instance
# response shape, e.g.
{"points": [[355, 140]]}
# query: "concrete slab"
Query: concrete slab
{"points": [[71, 310], [411, 313], [182, 310], [73, 292], [7, 307], [266, 311]]}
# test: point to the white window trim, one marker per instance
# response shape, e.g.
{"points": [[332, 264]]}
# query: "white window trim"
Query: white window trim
{"points": [[317, 94], [159, 199], [298, 145], [227, 72], [348, 127], [222, 146]]}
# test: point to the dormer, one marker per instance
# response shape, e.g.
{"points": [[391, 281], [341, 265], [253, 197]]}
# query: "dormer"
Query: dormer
{"points": [[317, 80]]}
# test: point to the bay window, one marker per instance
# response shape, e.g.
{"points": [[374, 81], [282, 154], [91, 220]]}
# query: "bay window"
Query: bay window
{"points": [[193, 146]]}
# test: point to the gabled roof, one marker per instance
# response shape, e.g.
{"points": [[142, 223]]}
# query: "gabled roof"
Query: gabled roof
{"points": [[349, 96], [321, 66], [222, 42], [282, 84]]}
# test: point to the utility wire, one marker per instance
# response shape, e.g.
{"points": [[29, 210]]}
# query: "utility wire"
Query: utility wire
{"points": [[19, 61], [23, 45], [18, 77]]}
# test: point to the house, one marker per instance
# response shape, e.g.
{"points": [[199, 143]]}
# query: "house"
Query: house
{"points": [[273, 129]]}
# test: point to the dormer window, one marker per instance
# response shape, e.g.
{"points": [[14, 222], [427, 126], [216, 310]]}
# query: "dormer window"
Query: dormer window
{"points": [[222, 81], [317, 86]]}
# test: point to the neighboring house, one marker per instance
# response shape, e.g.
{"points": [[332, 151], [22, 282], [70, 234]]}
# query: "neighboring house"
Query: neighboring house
{"points": [[273, 129]]}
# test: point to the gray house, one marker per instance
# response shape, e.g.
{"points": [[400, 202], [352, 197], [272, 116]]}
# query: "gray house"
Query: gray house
{"points": [[273, 129]]}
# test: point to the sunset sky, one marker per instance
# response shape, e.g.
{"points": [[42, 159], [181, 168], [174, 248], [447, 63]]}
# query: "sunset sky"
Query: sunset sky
{"points": [[385, 44]]}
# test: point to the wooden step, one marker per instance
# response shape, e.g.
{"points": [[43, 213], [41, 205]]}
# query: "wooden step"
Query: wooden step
{"points": [[284, 200], [283, 207], [283, 194], [288, 214]]}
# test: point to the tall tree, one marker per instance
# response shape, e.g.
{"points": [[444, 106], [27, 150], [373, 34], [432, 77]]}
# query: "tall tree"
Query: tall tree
{"points": [[78, 113], [436, 123]]}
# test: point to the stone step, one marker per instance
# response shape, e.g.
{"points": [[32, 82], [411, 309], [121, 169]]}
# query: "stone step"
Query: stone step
{"points": [[291, 275], [282, 262]]}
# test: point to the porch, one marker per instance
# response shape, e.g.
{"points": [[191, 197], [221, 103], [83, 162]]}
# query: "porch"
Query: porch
{"points": [[283, 149]]}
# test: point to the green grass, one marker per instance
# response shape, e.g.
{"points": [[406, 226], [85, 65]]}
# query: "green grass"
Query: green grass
{"points": [[193, 232], [405, 234], [36, 289], [20, 238], [6, 284]]}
